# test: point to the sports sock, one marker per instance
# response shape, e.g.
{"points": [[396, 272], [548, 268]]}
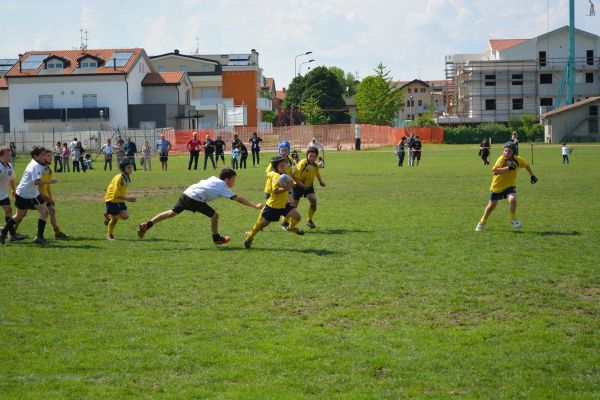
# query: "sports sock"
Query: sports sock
{"points": [[149, 224], [111, 226], [41, 228], [255, 229], [311, 212], [10, 225], [513, 215], [483, 220], [293, 223]]}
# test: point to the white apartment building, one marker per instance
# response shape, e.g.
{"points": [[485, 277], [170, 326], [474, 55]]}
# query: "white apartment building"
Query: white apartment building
{"points": [[521, 76]]}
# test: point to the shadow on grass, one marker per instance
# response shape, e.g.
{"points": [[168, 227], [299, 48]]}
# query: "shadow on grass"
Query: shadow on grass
{"points": [[317, 252], [551, 233], [63, 244], [337, 231]]}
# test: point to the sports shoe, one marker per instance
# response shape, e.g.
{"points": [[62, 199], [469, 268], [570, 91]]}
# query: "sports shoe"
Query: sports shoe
{"points": [[479, 227], [3, 235], [14, 237], [143, 227], [222, 240], [110, 237], [61, 236], [297, 231], [248, 241], [106, 219], [516, 223], [40, 240], [285, 225], [310, 224]]}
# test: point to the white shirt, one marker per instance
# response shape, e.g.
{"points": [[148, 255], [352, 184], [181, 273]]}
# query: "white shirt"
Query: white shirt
{"points": [[565, 150], [27, 188], [6, 175], [72, 145], [107, 149], [209, 189]]}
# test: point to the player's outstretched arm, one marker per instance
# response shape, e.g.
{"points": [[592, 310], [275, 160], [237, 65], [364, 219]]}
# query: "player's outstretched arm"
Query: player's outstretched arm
{"points": [[248, 203]]}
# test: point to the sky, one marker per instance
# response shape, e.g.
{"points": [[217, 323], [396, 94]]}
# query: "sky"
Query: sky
{"points": [[410, 37]]}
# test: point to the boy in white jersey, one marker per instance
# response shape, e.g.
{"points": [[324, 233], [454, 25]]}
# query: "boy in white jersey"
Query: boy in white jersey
{"points": [[28, 196], [7, 179], [195, 199]]}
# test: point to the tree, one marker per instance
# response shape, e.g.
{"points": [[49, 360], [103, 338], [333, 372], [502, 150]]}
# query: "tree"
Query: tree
{"points": [[269, 116], [347, 81], [283, 119], [312, 113], [377, 100], [323, 85], [423, 120]]}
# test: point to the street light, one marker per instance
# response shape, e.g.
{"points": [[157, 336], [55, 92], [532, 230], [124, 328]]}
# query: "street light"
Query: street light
{"points": [[410, 106], [301, 64], [296, 60], [101, 119]]}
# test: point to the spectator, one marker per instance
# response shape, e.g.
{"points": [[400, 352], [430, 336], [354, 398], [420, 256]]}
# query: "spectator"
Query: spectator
{"points": [[130, 151], [193, 146], [220, 150], [147, 156], [163, 146], [255, 148], [209, 150]]}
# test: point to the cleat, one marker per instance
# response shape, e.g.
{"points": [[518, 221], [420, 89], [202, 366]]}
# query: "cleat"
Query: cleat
{"points": [[106, 219], [222, 240], [516, 223], [248, 241], [61, 236], [285, 225], [40, 240], [297, 231], [310, 224], [15, 237], [142, 229], [110, 237], [3, 235], [479, 227]]}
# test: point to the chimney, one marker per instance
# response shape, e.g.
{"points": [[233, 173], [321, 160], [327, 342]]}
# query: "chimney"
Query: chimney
{"points": [[114, 64], [176, 51]]}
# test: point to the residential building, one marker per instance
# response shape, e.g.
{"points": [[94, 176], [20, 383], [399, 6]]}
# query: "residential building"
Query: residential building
{"points": [[521, 76], [573, 123], [227, 89], [5, 66], [422, 97]]}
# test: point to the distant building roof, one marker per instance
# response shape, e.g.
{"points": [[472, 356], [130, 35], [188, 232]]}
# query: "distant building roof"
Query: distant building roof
{"points": [[281, 94], [163, 78], [503, 44], [3, 83], [570, 107]]}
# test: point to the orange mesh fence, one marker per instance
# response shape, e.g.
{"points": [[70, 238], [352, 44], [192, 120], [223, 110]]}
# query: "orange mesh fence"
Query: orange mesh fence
{"points": [[340, 137]]}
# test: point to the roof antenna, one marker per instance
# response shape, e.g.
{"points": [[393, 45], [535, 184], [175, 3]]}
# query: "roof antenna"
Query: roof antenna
{"points": [[83, 39], [197, 47], [592, 10]]}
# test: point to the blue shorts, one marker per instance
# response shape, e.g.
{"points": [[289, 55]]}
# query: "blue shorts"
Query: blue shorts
{"points": [[504, 194], [273, 214], [115, 208], [298, 193]]}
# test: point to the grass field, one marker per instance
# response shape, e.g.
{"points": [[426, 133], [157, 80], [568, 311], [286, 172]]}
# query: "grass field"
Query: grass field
{"points": [[393, 295]]}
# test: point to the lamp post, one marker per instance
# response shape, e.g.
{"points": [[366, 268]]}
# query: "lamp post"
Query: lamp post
{"points": [[301, 64], [410, 106], [295, 64], [101, 119]]}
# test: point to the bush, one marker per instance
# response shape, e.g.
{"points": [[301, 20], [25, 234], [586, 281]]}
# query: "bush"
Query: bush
{"points": [[498, 133]]}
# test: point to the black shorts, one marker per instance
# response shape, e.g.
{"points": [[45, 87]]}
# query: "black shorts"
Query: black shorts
{"points": [[418, 154], [164, 157], [298, 193], [504, 194], [5, 202], [273, 214], [115, 208], [28, 204], [187, 203]]}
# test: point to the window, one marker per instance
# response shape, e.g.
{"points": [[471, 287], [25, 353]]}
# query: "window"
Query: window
{"points": [[89, 64], [590, 57], [90, 101], [54, 65], [542, 58], [517, 79], [545, 79], [490, 104], [408, 90], [593, 126], [589, 77], [162, 68], [420, 103], [593, 111], [46, 101], [422, 90], [546, 102], [490, 80], [517, 104], [207, 68]]}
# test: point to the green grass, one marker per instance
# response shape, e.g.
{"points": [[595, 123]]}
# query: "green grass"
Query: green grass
{"points": [[393, 295]]}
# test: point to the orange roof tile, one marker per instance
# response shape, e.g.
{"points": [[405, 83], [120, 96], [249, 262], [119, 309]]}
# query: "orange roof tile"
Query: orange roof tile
{"points": [[72, 56], [503, 44], [281, 94], [3, 83], [163, 78]]}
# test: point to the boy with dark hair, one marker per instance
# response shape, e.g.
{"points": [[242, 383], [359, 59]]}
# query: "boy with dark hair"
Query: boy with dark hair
{"points": [[28, 195], [504, 186], [277, 206], [47, 195], [7, 180], [195, 199], [220, 149], [116, 196], [304, 175]]}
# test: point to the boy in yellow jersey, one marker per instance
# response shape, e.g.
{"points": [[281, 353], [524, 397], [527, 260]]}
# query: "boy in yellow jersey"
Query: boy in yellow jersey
{"points": [[47, 195], [277, 204], [116, 196], [304, 175], [504, 184]]}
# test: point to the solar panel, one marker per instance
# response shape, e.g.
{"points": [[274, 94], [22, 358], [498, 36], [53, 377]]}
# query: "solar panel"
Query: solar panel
{"points": [[33, 61], [234, 63], [120, 59], [239, 57]]}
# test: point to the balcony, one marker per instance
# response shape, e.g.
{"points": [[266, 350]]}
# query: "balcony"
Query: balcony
{"points": [[211, 104], [264, 104], [88, 113], [44, 114]]}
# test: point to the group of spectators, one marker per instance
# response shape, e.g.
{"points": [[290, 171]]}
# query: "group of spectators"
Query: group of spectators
{"points": [[215, 149], [415, 147]]}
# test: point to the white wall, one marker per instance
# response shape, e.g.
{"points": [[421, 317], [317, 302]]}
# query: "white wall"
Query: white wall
{"points": [[3, 98], [135, 78], [160, 95], [68, 91]]}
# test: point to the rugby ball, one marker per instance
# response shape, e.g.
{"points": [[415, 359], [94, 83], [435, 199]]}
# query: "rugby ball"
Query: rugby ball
{"points": [[285, 180]]}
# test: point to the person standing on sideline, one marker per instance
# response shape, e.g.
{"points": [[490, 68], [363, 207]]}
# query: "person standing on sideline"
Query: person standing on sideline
{"points": [[515, 139], [57, 153], [130, 151], [504, 184], [484, 150], [193, 146], [66, 158], [13, 153], [236, 142], [417, 148], [163, 146], [195, 199], [209, 150], [220, 150], [411, 150], [28, 196], [244, 155], [400, 150], [75, 154], [107, 149], [255, 148], [565, 153], [147, 156]]}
